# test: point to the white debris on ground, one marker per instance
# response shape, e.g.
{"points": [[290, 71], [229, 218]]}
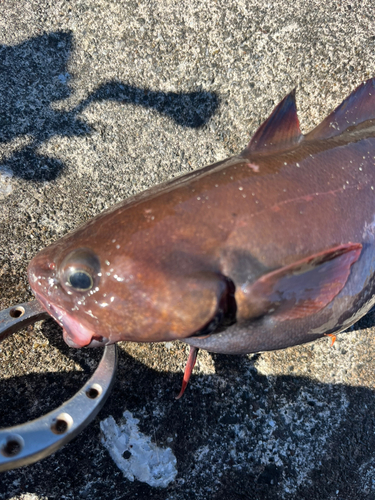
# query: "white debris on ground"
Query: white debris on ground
{"points": [[135, 455], [5, 185]]}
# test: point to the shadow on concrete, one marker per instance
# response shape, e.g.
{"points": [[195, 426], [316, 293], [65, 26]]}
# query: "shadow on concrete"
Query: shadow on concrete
{"points": [[34, 75]]}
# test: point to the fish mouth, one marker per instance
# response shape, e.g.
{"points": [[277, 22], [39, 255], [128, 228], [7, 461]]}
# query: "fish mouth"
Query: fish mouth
{"points": [[99, 341], [74, 332]]}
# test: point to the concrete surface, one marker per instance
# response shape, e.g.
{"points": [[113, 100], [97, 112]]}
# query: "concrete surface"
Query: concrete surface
{"points": [[102, 99]]}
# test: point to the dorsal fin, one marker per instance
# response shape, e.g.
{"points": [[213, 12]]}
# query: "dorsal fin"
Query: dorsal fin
{"points": [[280, 131], [358, 107]]}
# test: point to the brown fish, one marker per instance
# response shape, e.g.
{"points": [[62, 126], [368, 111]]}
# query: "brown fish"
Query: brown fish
{"points": [[268, 249]]}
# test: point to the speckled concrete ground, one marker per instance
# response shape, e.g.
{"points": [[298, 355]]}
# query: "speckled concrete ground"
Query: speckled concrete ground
{"points": [[100, 100]]}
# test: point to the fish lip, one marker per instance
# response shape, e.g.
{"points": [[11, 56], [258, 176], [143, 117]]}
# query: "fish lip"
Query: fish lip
{"points": [[75, 333], [69, 341], [48, 307]]}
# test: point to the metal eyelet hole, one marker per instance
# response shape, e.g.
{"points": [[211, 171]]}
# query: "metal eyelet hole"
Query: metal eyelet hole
{"points": [[12, 446], [17, 312], [61, 424], [94, 391]]}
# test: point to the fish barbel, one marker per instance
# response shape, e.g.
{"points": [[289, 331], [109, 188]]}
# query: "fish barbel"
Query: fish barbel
{"points": [[268, 249]]}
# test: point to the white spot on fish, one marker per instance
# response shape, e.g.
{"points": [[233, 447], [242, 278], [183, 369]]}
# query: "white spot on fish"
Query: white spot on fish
{"points": [[253, 166], [117, 246], [240, 188], [118, 278], [107, 262], [103, 304], [144, 460]]}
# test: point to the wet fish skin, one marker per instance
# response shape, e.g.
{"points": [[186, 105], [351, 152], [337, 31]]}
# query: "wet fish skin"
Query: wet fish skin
{"points": [[271, 248]]}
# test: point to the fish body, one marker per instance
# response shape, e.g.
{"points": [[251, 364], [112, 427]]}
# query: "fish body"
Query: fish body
{"points": [[268, 249]]}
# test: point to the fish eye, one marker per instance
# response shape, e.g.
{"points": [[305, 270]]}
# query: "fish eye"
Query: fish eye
{"points": [[79, 271], [80, 280]]}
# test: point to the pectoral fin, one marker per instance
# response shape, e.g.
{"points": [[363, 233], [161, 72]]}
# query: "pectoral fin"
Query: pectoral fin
{"points": [[302, 288]]}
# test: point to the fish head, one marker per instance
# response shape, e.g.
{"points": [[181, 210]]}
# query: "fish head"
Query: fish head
{"points": [[100, 294]]}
